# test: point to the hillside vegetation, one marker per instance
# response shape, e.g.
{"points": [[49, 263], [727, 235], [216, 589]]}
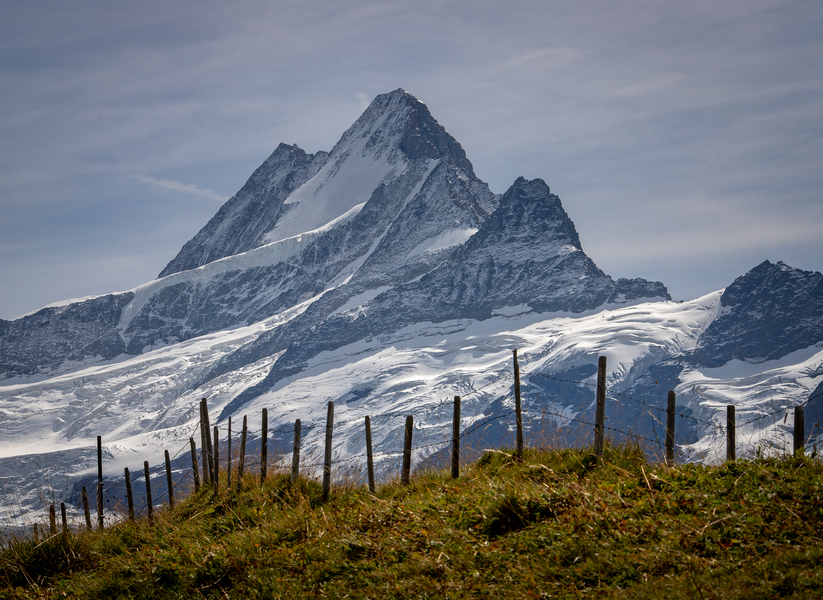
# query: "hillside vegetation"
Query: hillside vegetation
{"points": [[559, 524]]}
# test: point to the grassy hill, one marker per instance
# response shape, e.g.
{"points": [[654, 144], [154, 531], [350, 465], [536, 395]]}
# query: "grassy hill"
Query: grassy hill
{"points": [[559, 524]]}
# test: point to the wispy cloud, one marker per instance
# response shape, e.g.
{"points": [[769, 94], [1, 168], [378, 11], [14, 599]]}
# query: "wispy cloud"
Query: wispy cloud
{"points": [[363, 100], [178, 186]]}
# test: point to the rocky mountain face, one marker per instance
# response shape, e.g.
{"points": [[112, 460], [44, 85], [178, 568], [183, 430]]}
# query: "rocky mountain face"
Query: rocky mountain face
{"points": [[52, 337], [767, 313]]}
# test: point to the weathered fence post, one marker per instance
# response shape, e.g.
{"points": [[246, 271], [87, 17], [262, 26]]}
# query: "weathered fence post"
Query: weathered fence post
{"points": [[407, 448], [600, 409], [203, 457], [228, 459], [65, 520], [369, 456], [99, 482], [264, 450], [730, 433], [518, 410], [205, 446], [168, 480], [209, 445], [670, 408], [149, 505], [242, 452], [295, 456], [799, 429], [129, 496], [456, 439], [194, 468], [86, 508], [216, 480], [52, 520], [327, 459]]}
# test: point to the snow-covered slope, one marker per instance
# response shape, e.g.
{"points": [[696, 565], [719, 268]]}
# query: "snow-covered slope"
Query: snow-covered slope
{"points": [[148, 403], [386, 277]]}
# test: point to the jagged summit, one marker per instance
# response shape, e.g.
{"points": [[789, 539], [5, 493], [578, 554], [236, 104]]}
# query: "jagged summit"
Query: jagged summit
{"points": [[772, 310], [293, 192], [399, 121]]}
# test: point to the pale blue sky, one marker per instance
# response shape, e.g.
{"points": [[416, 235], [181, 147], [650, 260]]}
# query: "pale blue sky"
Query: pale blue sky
{"points": [[685, 139]]}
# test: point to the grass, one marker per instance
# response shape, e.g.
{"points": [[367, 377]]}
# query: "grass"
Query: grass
{"points": [[559, 524]]}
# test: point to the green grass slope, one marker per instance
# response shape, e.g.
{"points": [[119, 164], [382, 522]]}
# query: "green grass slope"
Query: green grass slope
{"points": [[557, 525]]}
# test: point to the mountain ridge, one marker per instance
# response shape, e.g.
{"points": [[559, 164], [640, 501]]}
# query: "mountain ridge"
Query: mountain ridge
{"points": [[394, 199]]}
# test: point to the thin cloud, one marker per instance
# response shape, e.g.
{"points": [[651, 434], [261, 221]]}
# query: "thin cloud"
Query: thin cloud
{"points": [[177, 186], [363, 100]]}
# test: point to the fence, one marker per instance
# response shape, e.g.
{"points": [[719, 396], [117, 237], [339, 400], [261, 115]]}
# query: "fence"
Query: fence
{"points": [[205, 464]]}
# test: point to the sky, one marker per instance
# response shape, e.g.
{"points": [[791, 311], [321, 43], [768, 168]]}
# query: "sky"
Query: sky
{"points": [[685, 140]]}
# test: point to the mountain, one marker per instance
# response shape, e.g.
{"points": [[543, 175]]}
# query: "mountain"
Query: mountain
{"points": [[243, 221], [391, 209], [386, 277], [767, 313]]}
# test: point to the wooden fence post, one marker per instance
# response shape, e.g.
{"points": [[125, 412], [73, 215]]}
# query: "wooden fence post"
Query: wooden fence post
{"points": [[456, 439], [369, 456], [99, 482], [86, 508], [407, 444], [209, 445], [194, 468], [295, 456], [264, 450], [129, 496], [228, 459], [670, 408], [799, 429], [52, 520], [518, 410], [169, 482], [65, 520], [600, 410], [204, 445], [730, 433], [327, 460], [242, 452], [149, 504], [216, 459]]}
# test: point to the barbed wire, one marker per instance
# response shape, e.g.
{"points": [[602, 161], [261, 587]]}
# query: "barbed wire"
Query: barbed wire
{"points": [[585, 422], [553, 378], [483, 387], [627, 397], [476, 425], [713, 425]]}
